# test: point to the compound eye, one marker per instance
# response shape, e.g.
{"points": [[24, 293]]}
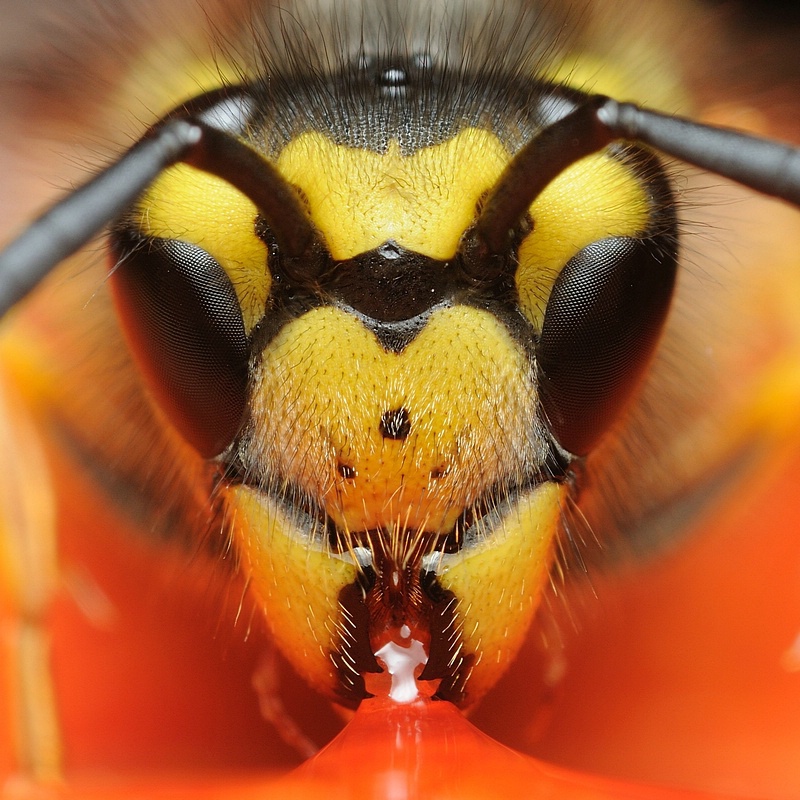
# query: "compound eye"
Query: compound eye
{"points": [[600, 327], [182, 318]]}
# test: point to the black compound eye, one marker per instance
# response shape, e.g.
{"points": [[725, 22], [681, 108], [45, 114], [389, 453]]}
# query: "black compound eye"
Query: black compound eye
{"points": [[184, 324], [600, 327]]}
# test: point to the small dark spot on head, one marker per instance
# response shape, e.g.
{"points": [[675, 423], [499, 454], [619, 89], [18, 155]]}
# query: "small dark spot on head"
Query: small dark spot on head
{"points": [[439, 472], [395, 424], [346, 471]]}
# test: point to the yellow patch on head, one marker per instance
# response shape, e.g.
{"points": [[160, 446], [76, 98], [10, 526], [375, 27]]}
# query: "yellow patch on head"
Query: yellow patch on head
{"points": [[201, 209], [424, 201], [595, 198], [499, 581], [466, 386], [296, 578]]}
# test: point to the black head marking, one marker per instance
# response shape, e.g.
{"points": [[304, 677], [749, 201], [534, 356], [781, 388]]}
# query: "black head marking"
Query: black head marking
{"points": [[395, 424]]}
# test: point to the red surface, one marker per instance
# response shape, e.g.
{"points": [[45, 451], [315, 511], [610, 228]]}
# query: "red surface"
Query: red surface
{"points": [[681, 675], [682, 670], [421, 750], [680, 678]]}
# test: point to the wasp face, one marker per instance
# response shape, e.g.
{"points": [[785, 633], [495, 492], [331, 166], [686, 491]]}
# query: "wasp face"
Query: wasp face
{"points": [[390, 307], [396, 409]]}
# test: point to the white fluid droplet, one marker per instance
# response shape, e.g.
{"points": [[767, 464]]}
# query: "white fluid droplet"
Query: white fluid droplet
{"points": [[401, 663]]}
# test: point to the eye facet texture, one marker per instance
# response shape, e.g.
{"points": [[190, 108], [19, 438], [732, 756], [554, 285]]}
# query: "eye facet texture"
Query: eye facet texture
{"points": [[183, 321], [600, 327]]}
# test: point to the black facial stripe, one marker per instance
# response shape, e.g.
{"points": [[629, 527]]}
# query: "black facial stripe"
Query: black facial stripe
{"points": [[404, 98], [392, 291], [389, 283]]}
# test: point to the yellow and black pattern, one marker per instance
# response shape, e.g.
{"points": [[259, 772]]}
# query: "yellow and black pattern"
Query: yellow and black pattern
{"points": [[393, 430], [395, 419]]}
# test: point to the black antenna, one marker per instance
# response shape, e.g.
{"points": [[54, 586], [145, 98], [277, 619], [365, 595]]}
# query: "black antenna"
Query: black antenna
{"points": [[74, 220], [766, 166], [760, 164]]}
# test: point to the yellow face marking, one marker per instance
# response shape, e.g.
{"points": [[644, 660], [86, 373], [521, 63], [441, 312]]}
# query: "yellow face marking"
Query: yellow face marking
{"points": [[471, 403], [464, 382], [465, 387], [195, 207], [425, 201], [498, 583], [296, 578], [595, 198]]}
